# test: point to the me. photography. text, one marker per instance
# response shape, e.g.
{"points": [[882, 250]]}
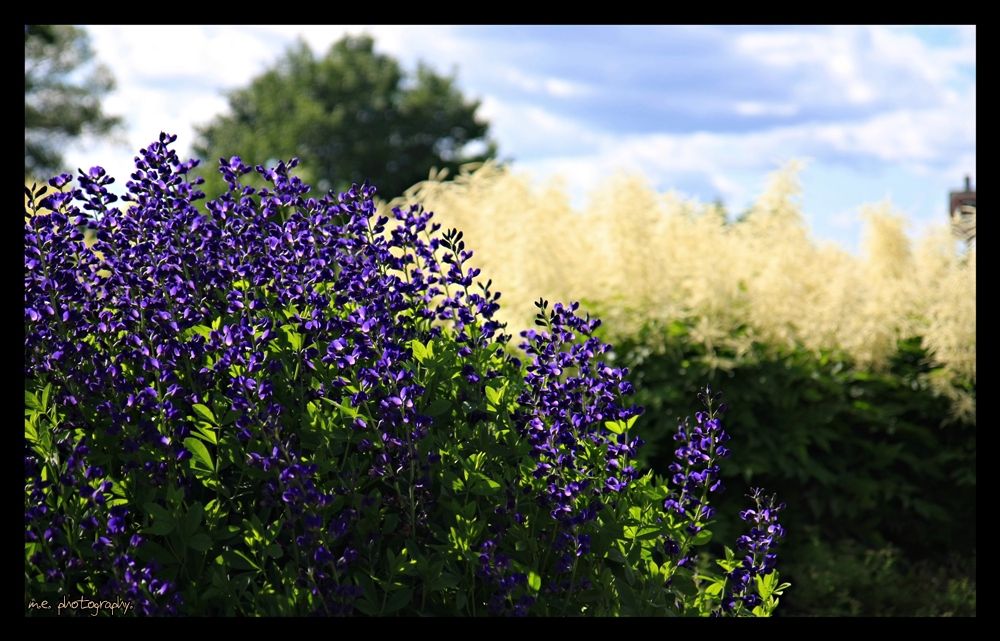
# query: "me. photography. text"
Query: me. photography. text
{"points": [[81, 604]]}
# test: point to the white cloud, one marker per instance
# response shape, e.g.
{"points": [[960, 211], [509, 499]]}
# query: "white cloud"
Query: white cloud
{"points": [[733, 163], [906, 49], [915, 138], [879, 96], [204, 56], [556, 87], [527, 130], [730, 190], [849, 218], [782, 50], [752, 108], [859, 65]]}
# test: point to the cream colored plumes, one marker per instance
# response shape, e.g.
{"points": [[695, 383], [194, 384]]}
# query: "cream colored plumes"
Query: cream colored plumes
{"points": [[638, 255]]}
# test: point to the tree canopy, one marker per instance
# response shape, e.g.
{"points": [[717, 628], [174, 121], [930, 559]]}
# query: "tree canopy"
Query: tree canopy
{"points": [[63, 89], [348, 116]]}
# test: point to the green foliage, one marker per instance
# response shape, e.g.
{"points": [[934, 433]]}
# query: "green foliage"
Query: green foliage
{"points": [[862, 456], [339, 438], [232, 555], [641, 256], [350, 116], [58, 105], [844, 578]]}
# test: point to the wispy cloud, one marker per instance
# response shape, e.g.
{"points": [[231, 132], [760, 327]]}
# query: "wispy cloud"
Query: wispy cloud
{"points": [[707, 110]]}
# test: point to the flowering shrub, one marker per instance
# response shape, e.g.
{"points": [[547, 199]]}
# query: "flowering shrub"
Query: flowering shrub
{"points": [[285, 407], [765, 287]]}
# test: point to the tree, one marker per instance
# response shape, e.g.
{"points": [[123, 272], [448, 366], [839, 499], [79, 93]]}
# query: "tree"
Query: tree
{"points": [[349, 116], [62, 95]]}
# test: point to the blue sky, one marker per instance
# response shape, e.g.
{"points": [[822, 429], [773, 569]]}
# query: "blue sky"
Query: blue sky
{"points": [[876, 112]]}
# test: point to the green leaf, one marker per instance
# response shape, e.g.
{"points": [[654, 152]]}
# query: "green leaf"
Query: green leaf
{"points": [[616, 427], [205, 413], [445, 581], [649, 533], [448, 580], [257, 525], [30, 432], [201, 460], [765, 585], [160, 528], [175, 495], [153, 550], [729, 564], [482, 485], [242, 581], [389, 524], [192, 519], [534, 581], [367, 588], [366, 607], [614, 554], [702, 537], [206, 432], [239, 560], [158, 512], [204, 330], [118, 489], [398, 600], [200, 542], [438, 407], [625, 594], [419, 351]]}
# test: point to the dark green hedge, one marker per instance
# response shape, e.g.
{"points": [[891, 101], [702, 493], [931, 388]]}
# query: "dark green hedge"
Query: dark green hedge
{"points": [[859, 457]]}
